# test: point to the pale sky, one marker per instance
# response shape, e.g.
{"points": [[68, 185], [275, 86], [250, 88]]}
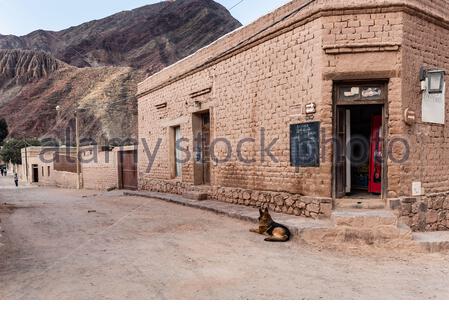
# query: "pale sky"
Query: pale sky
{"points": [[20, 17]]}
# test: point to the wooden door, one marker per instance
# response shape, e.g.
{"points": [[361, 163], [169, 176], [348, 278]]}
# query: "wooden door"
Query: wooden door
{"points": [[205, 140], [128, 169], [340, 154]]}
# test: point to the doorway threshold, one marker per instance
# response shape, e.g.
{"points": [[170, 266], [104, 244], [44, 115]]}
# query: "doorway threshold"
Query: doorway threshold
{"points": [[360, 203]]}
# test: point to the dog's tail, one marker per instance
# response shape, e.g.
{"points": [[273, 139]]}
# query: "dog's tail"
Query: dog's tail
{"points": [[284, 238]]}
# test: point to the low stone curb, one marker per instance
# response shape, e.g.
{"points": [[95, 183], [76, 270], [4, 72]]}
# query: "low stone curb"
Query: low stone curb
{"points": [[296, 225], [322, 233]]}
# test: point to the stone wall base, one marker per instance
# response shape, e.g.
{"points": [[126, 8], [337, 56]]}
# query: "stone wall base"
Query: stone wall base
{"points": [[292, 204], [425, 213]]}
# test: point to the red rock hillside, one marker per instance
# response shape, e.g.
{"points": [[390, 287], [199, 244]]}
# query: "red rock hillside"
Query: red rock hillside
{"points": [[97, 66]]}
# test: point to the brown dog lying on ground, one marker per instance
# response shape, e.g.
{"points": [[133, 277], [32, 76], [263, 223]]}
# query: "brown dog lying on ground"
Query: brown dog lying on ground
{"points": [[276, 231]]}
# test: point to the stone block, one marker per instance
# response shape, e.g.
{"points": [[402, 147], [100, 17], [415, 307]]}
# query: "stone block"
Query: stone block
{"points": [[431, 217], [326, 209], [312, 207]]}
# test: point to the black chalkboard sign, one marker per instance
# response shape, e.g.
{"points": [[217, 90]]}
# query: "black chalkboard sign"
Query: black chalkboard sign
{"points": [[305, 144]]}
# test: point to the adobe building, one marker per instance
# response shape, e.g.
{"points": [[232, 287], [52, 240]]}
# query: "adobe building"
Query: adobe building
{"points": [[108, 168], [41, 167], [101, 168], [352, 93]]}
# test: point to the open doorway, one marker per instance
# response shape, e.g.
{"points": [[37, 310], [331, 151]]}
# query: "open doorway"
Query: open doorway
{"points": [[35, 172], [364, 158], [360, 144], [359, 163]]}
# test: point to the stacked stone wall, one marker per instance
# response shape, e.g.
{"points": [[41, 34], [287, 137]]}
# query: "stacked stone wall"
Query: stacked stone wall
{"points": [[427, 213], [282, 202]]}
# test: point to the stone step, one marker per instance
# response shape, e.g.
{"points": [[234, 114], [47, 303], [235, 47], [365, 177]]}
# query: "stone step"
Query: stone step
{"points": [[432, 241], [195, 195], [360, 203], [400, 236], [364, 218], [405, 232]]}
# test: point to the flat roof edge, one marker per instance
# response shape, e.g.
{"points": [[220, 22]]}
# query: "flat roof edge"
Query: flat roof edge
{"points": [[164, 78]]}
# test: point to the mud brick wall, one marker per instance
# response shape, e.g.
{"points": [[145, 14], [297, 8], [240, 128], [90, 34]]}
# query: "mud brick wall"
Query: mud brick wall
{"points": [[59, 179], [260, 88], [100, 173], [348, 33], [282, 202], [48, 176], [266, 82], [426, 43]]}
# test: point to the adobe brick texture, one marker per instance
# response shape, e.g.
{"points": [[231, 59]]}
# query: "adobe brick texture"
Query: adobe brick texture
{"points": [[262, 75]]}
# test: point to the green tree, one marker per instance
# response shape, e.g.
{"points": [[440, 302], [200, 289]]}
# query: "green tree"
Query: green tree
{"points": [[3, 130], [11, 150]]}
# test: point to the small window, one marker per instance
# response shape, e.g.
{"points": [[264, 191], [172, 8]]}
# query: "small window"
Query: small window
{"points": [[48, 171], [42, 171]]}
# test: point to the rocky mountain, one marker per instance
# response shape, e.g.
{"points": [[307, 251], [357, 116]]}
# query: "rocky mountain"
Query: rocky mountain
{"points": [[146, 38], [97, 66], [37, 83], [20, 67]]}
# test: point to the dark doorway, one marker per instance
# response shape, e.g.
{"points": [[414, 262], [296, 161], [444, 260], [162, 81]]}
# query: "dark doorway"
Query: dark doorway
{"points": [[359, 160], [35, 173], [359, 111], [127, 169], [362, 159]]}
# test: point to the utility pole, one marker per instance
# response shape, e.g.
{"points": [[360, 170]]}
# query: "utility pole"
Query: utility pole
{"points": [[77, 134], [26, 164], [77, 138]]}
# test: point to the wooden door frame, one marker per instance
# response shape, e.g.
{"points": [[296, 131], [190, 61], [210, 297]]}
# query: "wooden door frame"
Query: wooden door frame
{"points": [[198, 170], [120, 170], [384, 103]]}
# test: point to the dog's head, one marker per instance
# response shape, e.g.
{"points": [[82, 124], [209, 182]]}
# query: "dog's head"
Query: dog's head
{"points": [[264, 217]]}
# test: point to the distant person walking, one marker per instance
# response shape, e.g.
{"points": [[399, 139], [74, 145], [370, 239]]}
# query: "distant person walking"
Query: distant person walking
{"points": [[16, 180], [1, 171]]}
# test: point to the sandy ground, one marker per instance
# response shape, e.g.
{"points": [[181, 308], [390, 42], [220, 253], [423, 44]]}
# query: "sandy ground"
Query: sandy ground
{"points": [[135, 248]]}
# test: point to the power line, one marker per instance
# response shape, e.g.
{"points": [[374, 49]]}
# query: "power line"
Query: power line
{"points": [[235, 5], [240, 44]]}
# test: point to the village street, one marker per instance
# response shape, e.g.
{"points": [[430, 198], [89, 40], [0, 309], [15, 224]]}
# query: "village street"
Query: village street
{"points": [[68, 244]]}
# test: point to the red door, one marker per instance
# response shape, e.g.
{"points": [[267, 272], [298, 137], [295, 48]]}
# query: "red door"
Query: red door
{"points": [[375, 163]]}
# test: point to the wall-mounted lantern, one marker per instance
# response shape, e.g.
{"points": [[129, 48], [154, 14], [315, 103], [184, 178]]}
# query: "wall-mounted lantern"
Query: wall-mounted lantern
{"points": [[435, 82], [433, 109], [423, 78], [432, 81]]}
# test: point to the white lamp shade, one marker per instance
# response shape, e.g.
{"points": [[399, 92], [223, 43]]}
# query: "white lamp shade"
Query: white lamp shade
{"points": [[435, 81]]}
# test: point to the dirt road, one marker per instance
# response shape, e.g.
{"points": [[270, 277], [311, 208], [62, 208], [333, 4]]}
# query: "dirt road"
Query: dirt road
{"points": [[67, 244]]}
